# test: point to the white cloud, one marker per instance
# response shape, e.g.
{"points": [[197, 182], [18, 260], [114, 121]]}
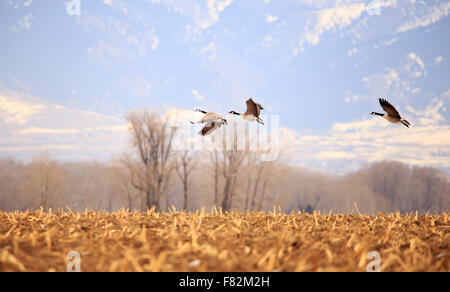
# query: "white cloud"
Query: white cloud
{"points": [[197, 95], [431, 15], [215, 8], [438, 60], [23, 24], [416, 59], [351, 18], [329, 155], [19, 3], [352, 52], [431, 115], [147, 39], [34, 130], [386, 43], [105, 51], [29, 124], [14, 110], [271, 18], [400, 82], [383, 83], [119, 37], [210, 51], [414, 65], [202, 14], [127, 9], [330, 19]]}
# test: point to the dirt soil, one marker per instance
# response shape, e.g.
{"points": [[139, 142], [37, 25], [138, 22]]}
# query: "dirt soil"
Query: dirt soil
{"points": [[177, 241]]}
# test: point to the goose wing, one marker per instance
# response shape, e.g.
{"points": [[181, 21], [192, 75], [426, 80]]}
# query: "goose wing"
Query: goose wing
{"points": [[210, 128], [253, 108], [389, 109]]}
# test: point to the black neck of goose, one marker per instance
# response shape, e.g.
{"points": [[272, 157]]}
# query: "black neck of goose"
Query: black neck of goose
{"points": [[235, 113], [378, 114]]}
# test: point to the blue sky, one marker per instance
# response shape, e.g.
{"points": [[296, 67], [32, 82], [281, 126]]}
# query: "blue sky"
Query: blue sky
{"points": [[66, 81]]}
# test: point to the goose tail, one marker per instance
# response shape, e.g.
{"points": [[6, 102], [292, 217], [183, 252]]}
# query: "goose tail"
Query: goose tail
{"points": [[406, 123]]}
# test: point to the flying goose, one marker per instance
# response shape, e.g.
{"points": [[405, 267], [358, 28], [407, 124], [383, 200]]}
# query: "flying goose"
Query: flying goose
{"points": [[252, 113], [392, 114], [213, 122]]}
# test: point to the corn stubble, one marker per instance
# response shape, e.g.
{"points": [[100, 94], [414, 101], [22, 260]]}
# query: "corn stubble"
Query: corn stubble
{"points": [[178, 241]]}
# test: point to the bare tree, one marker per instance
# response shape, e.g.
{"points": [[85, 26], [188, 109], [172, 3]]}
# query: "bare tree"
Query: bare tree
{"points": [[215, 166], [263, 193], [260, 183], [128, 192], [44, 181], [258, 175], [232, 160], [152, 138], [185, 163], [251, 161], [11, 180]]}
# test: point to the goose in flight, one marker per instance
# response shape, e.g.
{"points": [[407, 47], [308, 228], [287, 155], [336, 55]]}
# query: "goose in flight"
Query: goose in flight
{"points": [[252, 113], [213, 122], [392, 114]]}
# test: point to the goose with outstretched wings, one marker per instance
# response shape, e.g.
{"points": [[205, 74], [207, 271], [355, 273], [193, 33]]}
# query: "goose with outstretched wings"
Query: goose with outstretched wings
{"points": [[392, 115], [213, 122], [253, 112]]}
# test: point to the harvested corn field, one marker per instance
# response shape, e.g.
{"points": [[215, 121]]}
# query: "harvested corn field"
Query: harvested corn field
{"points": [[177, 241]]}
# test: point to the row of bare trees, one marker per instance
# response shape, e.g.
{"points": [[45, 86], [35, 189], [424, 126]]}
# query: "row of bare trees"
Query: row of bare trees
{"points": [[107, 186], [153, 175]]}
